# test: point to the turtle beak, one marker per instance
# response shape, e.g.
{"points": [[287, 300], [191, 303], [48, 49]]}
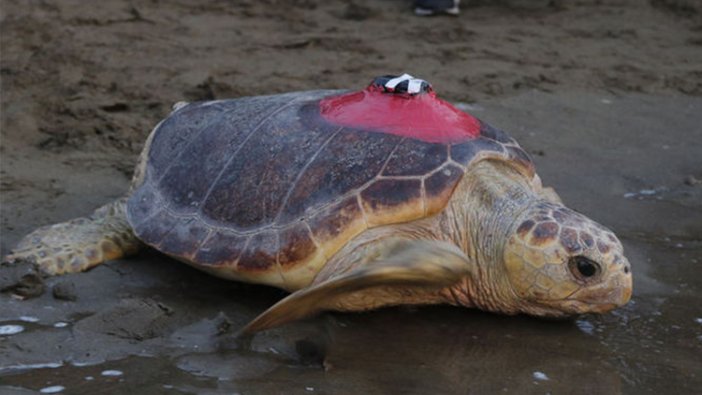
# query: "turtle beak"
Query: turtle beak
{"points": [[614, 292], [622, 293]]}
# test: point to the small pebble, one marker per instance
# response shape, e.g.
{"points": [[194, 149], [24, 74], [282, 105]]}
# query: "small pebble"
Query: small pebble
{"points": [[309, 389], [540, 376], [223, 323], [585, 326], [111, 373], [89, 378], [6, 330], [698, 320], [64, 290], [60, 325], [52, 390], [27, 318]]}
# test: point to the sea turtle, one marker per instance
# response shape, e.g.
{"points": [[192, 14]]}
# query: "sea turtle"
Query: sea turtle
{"points": [[350, 201]]}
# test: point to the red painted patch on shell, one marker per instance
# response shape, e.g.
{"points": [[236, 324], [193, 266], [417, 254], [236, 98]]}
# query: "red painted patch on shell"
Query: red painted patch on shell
{"points": [[423, 117]]}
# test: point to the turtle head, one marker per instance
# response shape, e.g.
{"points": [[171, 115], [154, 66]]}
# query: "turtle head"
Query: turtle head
{"points": [[561, 263]]}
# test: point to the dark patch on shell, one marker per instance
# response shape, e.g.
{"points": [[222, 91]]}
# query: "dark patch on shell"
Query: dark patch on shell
{"points": [[384, 194], [439, 187], [465, 152], [413, 157], [152, 230], [334, 220], [221, 247], [347, 162], [189, 179], [260, 254], [180, 128], [494, 133], [296, 244], [255, 182], [184, 239], [142, 204]]}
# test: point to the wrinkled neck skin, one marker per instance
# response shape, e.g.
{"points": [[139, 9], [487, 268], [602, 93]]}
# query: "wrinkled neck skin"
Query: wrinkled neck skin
{"points": [[484, 211], [485, 208]]}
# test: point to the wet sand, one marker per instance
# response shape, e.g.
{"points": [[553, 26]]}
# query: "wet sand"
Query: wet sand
{"points": [[606, 98]]}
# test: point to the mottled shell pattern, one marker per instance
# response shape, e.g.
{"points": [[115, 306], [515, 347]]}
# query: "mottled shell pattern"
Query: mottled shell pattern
{"points": [[265, 189]]}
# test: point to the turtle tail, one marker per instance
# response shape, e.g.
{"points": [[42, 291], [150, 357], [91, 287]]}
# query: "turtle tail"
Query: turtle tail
{"points": [[80, 243]]}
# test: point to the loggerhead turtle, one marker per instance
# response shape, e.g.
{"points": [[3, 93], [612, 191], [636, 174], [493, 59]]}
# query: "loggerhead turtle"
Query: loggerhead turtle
{"points": [[351, 201]]}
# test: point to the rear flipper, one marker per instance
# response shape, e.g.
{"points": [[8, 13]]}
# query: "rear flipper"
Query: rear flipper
{"points": [[79, 244]]}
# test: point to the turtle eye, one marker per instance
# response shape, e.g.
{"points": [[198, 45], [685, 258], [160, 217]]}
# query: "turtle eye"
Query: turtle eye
{"points": [[583, 268]]}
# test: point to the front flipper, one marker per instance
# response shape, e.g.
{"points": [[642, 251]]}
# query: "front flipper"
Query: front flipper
{"points": [[397, 273], [547, 193], [550, 194]]}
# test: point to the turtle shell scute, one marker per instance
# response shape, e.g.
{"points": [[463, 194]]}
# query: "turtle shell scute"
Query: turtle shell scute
{"points": [[264, 184]]}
